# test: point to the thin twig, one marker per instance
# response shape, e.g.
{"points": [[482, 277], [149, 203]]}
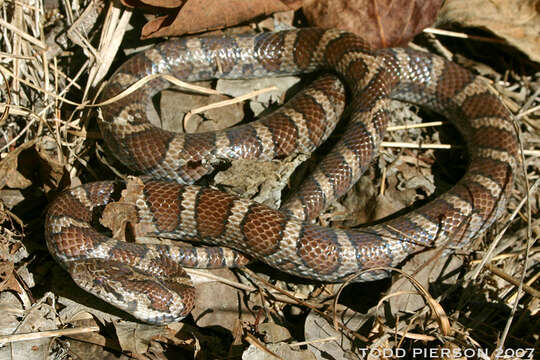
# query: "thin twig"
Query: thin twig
{"points": [[414, 126], [527, 112], [223, 103], [424, 146], [419, 145], [512, 280], [315, 341], [23, 35], [462, 35], [45, 334]]}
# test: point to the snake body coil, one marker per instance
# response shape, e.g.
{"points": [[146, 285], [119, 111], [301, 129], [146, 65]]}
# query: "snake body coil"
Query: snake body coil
{"points": [[148, 281]]}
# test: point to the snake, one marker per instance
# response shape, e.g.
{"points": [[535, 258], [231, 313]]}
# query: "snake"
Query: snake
{"points": [[149, 282]]}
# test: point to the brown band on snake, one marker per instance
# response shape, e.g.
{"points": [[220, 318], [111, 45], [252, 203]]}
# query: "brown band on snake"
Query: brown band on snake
{"points": [[281, 239]]}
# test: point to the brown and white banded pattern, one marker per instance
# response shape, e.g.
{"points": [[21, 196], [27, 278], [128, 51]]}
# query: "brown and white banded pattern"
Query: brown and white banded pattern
{"points": [[147, 280]]}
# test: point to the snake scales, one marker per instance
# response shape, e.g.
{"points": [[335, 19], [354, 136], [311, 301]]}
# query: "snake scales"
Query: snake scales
{"points": [[148, 280]]}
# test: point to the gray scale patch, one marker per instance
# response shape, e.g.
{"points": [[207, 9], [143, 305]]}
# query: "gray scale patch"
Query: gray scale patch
{"points": [[80, 194], [351, 160], [318, 53], [475, 87], [203, 258], [493, 187], [325, 185], [495, 122], [499, 155], [233, 229], [58, 224], [347, 254], [229, 257], [287, 245], [287, 59], [304, 143], [265, 141], [296, 208], [187, 215]]}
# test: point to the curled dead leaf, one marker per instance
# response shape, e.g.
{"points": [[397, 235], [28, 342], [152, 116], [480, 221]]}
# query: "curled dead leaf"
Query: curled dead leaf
{"points": [[135, 337], [8, 281], [518, 21], [118, 215], [9, 173], [190, 16], [382, 23]]}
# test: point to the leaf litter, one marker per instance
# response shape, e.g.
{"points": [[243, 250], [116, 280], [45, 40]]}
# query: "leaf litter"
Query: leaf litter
{"points": [[49, 141]]}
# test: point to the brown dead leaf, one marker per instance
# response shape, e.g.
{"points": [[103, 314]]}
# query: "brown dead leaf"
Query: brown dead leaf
{"points": [[432, 271], [274, 333], [9, 173], [187, 17], [39, 318], [52, 171], [8, 281], [337, 344], [174, 103], [117, 215], [135, 337], [517, 21], [259, 351], [10, 198], [223, 310], [382, 23]]}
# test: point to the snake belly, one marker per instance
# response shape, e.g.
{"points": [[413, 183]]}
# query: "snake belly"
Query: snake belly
{"points": [[148, 281]]}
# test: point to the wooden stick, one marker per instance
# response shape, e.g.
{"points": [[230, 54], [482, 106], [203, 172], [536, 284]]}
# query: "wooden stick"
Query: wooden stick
{"points": [[44, 334]]}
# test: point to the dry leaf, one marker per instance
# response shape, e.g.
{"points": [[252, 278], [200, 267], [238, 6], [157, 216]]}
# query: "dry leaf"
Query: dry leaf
{"points": [[281, 350], [223, 310], [135, 337], [432, 270], [8, 281], [52, 172], [117, 215], [382, 23], [274, 333], [201, 15], [11, 315], [517, 21], [38, 318], [9, 173], [174, 105], [338, 345]]}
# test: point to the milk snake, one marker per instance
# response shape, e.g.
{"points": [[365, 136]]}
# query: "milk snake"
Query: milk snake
{"points": [[148, 281]]}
